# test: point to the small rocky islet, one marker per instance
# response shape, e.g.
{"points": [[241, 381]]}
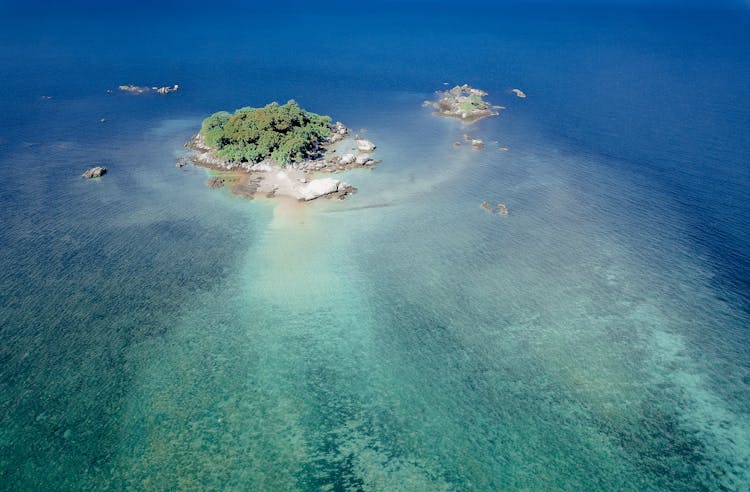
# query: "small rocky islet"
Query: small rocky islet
{"points": [[463, 102], [94, 172], [277, 150]]}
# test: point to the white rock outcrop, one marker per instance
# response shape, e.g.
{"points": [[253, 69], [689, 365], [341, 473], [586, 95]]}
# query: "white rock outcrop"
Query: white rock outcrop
{"points": [[319, 187], [365, 145]]}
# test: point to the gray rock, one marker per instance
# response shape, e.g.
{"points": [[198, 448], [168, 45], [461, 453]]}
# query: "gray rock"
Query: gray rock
{"points": [[95, 172], [363, 159]]}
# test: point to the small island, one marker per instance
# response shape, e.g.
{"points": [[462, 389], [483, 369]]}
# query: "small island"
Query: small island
{"points": [[95, 172], [276, 150], [464, 103]]}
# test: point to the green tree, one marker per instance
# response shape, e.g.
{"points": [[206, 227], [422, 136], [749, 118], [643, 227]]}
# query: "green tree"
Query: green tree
{"points": [[287, 133]]}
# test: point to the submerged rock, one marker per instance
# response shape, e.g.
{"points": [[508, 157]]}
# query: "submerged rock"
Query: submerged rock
{"points": [[95, 172], [502, 209], [519, 93], [216, 182]]}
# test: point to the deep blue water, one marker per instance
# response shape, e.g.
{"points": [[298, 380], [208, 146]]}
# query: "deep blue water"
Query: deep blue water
{"points": [[159, 334]]}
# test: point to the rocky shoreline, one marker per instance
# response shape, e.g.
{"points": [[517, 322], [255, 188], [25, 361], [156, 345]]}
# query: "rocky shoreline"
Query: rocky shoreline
{"points": [[297, 180]]}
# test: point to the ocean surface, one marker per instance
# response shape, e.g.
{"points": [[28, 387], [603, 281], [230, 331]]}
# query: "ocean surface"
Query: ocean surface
{"points": [[156, 334]]}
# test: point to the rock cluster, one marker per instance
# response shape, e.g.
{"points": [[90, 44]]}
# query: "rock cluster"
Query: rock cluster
{"points": [[338, 132], [476, 143], [166, 89], [137, 89], [95, 172], [501, 208]]}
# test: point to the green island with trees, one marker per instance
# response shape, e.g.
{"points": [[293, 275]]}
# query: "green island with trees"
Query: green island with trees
{"points": [[286, 133]]}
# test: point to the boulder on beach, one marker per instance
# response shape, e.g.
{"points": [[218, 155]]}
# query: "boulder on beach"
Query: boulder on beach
{"points": [[95, 172], [319, 187]]}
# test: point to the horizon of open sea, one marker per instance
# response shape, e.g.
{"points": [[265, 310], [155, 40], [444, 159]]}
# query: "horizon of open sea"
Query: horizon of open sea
{"points": [[158, 334]]}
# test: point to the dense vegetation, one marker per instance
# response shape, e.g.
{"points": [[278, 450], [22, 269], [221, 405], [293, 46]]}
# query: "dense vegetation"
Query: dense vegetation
{"points": [[286, 133]]}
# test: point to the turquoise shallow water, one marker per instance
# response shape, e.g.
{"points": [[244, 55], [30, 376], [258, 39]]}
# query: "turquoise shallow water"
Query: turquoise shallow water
{"points": [[161, 335]]}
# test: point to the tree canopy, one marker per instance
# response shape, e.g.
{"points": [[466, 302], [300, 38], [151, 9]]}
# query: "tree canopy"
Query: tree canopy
{"points": [[287, 133]]}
